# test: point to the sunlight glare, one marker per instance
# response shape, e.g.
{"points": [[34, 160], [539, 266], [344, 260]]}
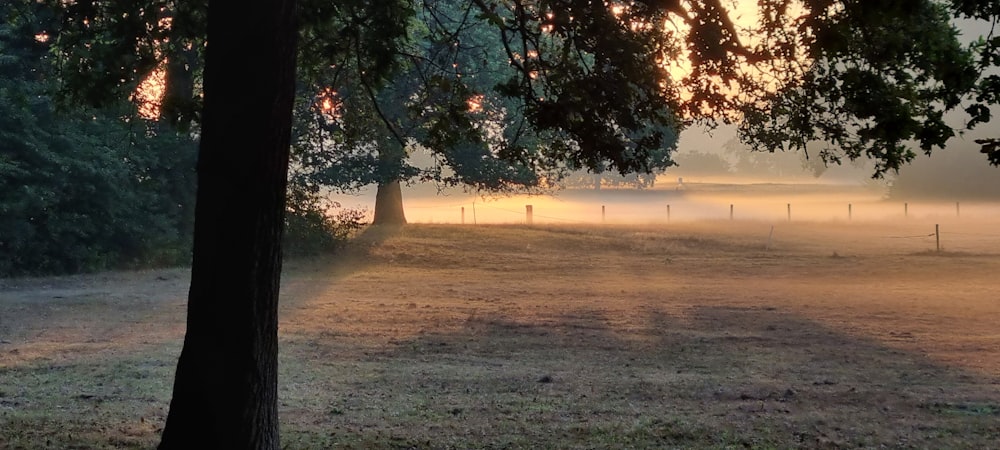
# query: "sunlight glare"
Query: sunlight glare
{"points": [[148, 96], [328, 103], [475, 103]]}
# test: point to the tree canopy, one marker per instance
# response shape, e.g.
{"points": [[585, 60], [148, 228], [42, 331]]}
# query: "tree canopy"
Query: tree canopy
{"points": [[880, 78], [508, 94], [83, 189], [581, 84]]}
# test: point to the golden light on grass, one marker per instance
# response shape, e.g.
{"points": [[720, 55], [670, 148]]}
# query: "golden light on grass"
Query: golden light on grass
{"points": [[552, 336]]}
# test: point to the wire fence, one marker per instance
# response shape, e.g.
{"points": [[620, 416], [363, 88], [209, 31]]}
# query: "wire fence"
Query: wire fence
{"points": [[582, 213], [913, 218]]}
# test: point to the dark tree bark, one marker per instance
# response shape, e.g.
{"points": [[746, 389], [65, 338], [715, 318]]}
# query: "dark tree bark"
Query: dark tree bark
{"points": [[389, 204], [178, 106], [225, 390], [389, 197]]}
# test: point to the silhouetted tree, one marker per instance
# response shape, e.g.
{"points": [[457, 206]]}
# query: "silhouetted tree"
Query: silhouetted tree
{"points": [[446, 98], [225, 390]]}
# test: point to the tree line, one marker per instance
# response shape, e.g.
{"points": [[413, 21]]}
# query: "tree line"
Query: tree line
{"points": [[88, 188], [82, 188]]}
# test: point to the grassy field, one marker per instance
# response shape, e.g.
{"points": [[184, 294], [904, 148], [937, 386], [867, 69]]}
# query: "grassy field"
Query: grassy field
{"points": [[694, 335]]}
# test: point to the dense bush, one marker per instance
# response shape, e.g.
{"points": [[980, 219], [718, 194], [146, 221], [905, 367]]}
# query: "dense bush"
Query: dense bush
{"points": [[83, 190], [88, 194], [315, 224]]}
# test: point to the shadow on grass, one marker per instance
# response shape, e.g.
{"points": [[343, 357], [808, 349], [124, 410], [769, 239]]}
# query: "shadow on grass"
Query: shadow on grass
{"points": [[507, 374], [88, 361], [715, 377]]}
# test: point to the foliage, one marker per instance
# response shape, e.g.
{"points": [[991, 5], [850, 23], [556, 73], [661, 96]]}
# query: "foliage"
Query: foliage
{"points": [[440, 99], [559, 88], [880, 75], [89, 189], [846, 76], [310, 228], [581, 84], [83, 190], [89, 194], [583, 179], [402, 75], [104, 49]]}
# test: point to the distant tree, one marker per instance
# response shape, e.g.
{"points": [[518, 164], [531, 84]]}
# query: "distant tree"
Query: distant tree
{"points": [[702, 163], [867, 76], [955, 174], [745, 161], [585, 179], [441, 99]]}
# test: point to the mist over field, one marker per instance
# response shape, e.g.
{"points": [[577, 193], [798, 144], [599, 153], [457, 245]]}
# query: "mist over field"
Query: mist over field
{"points": [[692, 334], [711, 310], [715, 171]]}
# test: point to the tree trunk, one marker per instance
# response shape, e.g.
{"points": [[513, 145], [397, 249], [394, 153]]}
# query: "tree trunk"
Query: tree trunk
{"points": [[178, 106], [225, 389], [389, 204], [389, 197]]}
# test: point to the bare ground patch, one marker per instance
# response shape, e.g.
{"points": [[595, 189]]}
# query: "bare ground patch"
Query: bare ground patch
{"points": [[690, 335]]}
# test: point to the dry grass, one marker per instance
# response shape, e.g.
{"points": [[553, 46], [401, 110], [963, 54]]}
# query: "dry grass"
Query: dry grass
{"points": [[691, 335]]}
